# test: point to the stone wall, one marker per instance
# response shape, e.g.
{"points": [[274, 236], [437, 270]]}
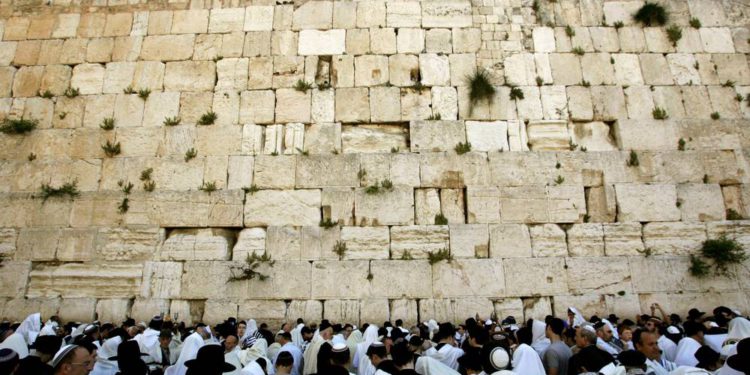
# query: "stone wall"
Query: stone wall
{"points": [[548, 209]]}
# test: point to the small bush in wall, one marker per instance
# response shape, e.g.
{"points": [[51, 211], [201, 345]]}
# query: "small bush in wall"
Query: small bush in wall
{"points": [[462, 148], [721, 253], [249, 270], [69, 189], [651, 14], [111, 149], [659, 113], [480, 87], [516, 93], [208, 118], [18, 126], [440, 219], [674, 33], [438, 256], [695, 23]]}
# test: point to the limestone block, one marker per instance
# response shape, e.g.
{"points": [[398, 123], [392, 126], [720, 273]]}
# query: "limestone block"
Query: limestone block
{"points": [[627, 69], [240, 172], [700, 202], [272, 312], [415, 104], [352, 105], [341, 310], [609, 103], [84, 280], [438, 41], [682, 302], [198, 244], [402, 69], [585, 275], [308, 310], [646, 203], [531, 106], [274, 172], [483, 204], [695, 98], [544, 39], [655, 69], [314, 42], [585, 240], [284, 242], [468, 278], [519, 69], [73, 51], [723, 101], [257, 44], [298, 207], [716, 40], [259, 18], [405, 309], [597, 69], [313, 15], [404, 170], [14, 278], [669, 98], [344, 15], [462, 66], [549, 276], [45, 244], [118, 24], [257, 107], [445, 102], [673, 238], [604, 39], [112, 310], [128, 110], [358, 41], [232, 74], [385, 104], [167, 47], [366, 242], [92, 25], [403, 14], [600, 203], [548, 135], [342, 71], [370, 70], [418, 241], [454, 171], [317, 171], [66, 25], [566, 69], [322, 138], [88, 78], [149, 74], [29, 53], [339, 279], [548, 240], [517, 138], [434, 69], [145, 309], [487, 136], [160, 106], [435, 136], [8, 237], [338, 205], [594, 136], [250, 240], [195, 209], [20, 308], [226, 20], [671, 273], [395, 207], [216, 311], [202, 73], [639, 102], [732, 67], [410, 40], [371, 14], [373, 310], [509, 240], [427, 206], [632, 39], [383, 41], [201, 278], [161, 280], [640, 134], [580, 105], [159, 22], [469, 240], [373, 138], [77, 309], [292, 106], [657, 40], [446, 14], [554, 102]]}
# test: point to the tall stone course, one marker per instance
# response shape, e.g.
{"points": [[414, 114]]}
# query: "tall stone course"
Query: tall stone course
{"points": [[546, 211]]}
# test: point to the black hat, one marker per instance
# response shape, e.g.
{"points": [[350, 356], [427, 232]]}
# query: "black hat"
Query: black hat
{"points": [[8, 360], [324, 325], [509, 320], [165, 333], [446, 330], [613, 318], [631, 358], [210, 357], [471, 361], [129, 322], [48, 344], [740, 361], [128, 351], [416, 341], [706, 356], [695, 314]]}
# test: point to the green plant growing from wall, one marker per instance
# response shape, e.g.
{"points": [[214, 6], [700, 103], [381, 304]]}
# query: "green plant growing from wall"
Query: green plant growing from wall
{"points": [[340, 249], [480, 87], [327, 223], [172, 121], [462, 148], [252, 189], [125, 187], [633, 159], [249, 270], [516, 93], [190, 154], [31, 157], [72, 92], [46, 94], [722, 253], [208, 118], [440, 219], [69, 189], [569, 31], [111, 149], [208, 187], [18, 126], [659, 113], [681, 144], [124, 205], [734, 215], [441, 255], [651, 14], [618, 25], [578, 51], [107, 123], [128, 90], [715, 116], [144, 93], [695, 23], [674, 33], [406, 255], [303, 86]]}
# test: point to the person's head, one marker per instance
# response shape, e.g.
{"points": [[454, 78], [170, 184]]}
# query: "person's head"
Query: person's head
{"points": [[555, 328], [632, 359], [401, 354], [8, 361], [203, 330], [645, 342], [376, 352], [73, 360], [284, 363], [708, 359], [626, 332], [348, 329], [477, 337], [241, 328], [471, 362], [524, 336], [156, 323], [230, 342], [325, 330], [286, 327], [603, 331], [165, 338], [340, 355], [307, 333], [652, 325], [284, 337], [694, 330], [47, 346], [399, 322], [585, 336]]}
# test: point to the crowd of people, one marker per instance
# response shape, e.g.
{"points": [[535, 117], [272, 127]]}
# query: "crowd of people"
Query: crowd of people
{"points": [[702, 343]]}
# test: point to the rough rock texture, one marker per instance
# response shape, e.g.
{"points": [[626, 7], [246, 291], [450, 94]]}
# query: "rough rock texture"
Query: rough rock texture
{"points": [[288, 130]]}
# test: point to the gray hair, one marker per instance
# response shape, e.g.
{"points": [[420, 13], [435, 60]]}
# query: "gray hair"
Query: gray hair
{"points": [[588, 332]]}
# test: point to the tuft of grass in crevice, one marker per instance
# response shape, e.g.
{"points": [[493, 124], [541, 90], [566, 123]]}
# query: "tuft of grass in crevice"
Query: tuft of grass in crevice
{"points": [[108, 123], [695, 23], [440, 219], [569, 31], [303, 86], [190, 154], [144, 93], [618, 25], [18, 126], [72, 92], [111, 149], [327, 223], [441, 255], [46, 94], [208, 118], [252, 189], [172, 121], [516, 93], [340, 249], [633, 159], [462, 148], [715, 116], [734, 215], [578, 51], [69, 189], [651, 14], [480, 87], [128, 90], [721, 253], [674, 33], [249, 270], [659, 113], [208, 187]]}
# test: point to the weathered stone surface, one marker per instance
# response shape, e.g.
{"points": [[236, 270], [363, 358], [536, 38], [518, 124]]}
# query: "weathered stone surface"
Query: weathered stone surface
{"points": [[509, 240], [390, 207], [446, 14], [673, 238], [598, 275], [548, 240], [198, 244], [14, 278], [202, 75], [670, 273], [352, 105], [549, 276], [80, 280], [297, 207], [701, 202], [585, 240], [487, 136], [366, 242], [417, 241], [469, 240], [129, 243], [426, 206], [433, 136], [167, 47], [385, 104], [110, 310], [646, 203], [373, 138], [468, 278], [161, 280], [454, 171], [548, 135], [383, 284], [314, 42]]}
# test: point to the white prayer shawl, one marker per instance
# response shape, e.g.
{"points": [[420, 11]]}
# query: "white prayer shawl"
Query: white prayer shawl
{"points": [[685, 370], [715, 341], [234, 360], [296, 355], [449, 356], [739, 328], [252, 368], [351, 342], [726, 370], [612, 369], [30, 327], [338, 339], [686, 352], [607, 347], [612, 327], [539, 340], [526, 361], [370, 336], [148, 343], [297, 335], [668, 348], [258, 350], [272, 350], [189, 351], [432, 327], [103, 365], [49, 329], [577, 317], [365, 366], [17, 343], [311, 355], [431, 366], [658, 368]]}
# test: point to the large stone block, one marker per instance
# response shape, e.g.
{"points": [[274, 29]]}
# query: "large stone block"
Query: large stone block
{"points": [[161, 280], [85, 280], [292, 106], [427, 206], [585, 240], [87, 78], [509, 240], [700, 202], [599, 275], [548, 240], [315, 42], [622, 239], [446, 14], [549, 276], [395, 278], [647, 203], [468, 278], [435, 136], [487, 136], [340, 279], [128, 243], [390, 207], [469, 240], [198, 244], [671, 273], [112, 310], [673, 238], [366, 242], [14, 278], [548, 135], [190, 76], [296, 207], [327, 171], [143, 309], [192, 209], [352, 105], [78, 309], [418, 241], [341, 310], [167, 47]]}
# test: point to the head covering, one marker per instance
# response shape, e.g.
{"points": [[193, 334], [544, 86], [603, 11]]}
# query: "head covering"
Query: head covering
{"points": [[61, 354], [30, 327], [190, 348], [210, 357], [498, 358], [8, 360], [252, 368], [695, 314], [739, 328], [706, 356], [740, 361], [539, 340], [108, 349], [527, 361], [432, 366], [48, 344], [631, 358], [577, 317]]}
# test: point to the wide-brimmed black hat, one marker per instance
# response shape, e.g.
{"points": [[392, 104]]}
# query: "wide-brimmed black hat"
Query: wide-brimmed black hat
{"points": [[741, 360], [127, 351], [706, 356], [210, 357], [695, 314]]}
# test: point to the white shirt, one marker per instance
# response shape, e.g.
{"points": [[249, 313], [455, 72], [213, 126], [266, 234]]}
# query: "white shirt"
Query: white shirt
{"points": [[668, 348], [686, 352], [296, 354], [449, 356]]}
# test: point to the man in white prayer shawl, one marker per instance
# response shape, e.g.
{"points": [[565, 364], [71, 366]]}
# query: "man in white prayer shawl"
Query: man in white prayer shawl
{"points": [[258, 350], [525, 359], [370, 336], [231, 351], [190, 348], [739, 328], [646, 343], [148, 341], [285, 339], [297, 334], [604, 338], [24, 336], [575, 318], [539, 340], [103, 365], [447, 352], [325, 332], [369, 362], [690, 344]]}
